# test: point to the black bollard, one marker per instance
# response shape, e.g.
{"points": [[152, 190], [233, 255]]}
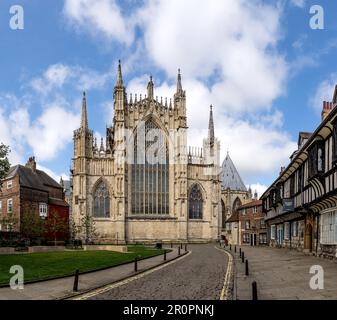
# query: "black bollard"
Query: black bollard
{"points": [[230, 247], [178, 251], [235, 249], [254, 291], [136, 264], [247, 270], [243, 257], [240, 252], [75, 288], [171, 245], [165, 255], [181, 246], [185, 247]]}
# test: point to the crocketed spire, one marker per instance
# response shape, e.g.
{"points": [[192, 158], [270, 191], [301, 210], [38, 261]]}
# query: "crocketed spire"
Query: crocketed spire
{"points": [[84, 121], [119, 75], [211, 127]]}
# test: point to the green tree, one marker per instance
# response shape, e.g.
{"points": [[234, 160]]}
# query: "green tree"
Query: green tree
{"points": [[32, 225], [4, 162], [88, 228], [9, 222], [55, 224], [75, 230]]}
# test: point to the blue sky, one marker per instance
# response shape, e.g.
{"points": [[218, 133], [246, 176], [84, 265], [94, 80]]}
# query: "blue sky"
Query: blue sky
{"points": [[258, 62]]}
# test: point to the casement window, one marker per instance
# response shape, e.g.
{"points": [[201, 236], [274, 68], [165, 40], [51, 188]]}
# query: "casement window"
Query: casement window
{"points": [[292, 186], [286, 230], [247, 224], [9, 205], [43, 210], [262, 224], [243, 212], [9, 184], [300, 181], [273, 232], [334, 143], [246, 238], [328, 227], [316, 159], [255, 209]]}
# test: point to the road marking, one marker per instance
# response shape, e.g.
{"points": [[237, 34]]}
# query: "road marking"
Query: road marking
{"points": [[109, 287], [226, 286]]}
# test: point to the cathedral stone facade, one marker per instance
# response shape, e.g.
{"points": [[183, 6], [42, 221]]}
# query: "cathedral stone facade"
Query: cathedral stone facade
{"points": [[144, 183]]}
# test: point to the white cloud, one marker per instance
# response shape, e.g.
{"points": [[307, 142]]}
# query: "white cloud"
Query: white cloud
{"points": [[51, 131], [256, 147], [324, 92], [99, 17], [58, 75], [51, 173], [259, 188], [298, 3]]}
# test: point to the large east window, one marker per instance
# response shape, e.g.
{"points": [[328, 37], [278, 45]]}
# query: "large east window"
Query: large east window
{"points": [[329, 227], [101, 201], [150, 171]]}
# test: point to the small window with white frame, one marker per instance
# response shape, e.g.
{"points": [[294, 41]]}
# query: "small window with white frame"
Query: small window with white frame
{"points": [[9, 184], [9, 205], [43, 210], [255, 209]]}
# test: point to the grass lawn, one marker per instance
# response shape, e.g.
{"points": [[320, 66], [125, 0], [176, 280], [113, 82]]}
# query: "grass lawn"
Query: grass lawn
{"points": [[39, 266]]}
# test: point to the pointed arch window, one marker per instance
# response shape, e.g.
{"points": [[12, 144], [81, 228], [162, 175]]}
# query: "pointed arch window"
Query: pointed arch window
{"points": [[150, 172], [195, 203], [101, 207], [237, 203]]}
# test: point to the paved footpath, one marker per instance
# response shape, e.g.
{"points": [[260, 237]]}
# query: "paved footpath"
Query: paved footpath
{"points": [[282, 274], [58, 288], [198, 276]]}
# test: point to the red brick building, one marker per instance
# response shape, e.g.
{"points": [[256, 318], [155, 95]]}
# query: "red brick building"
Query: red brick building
{"points": [[26, 190], [253, 230]]}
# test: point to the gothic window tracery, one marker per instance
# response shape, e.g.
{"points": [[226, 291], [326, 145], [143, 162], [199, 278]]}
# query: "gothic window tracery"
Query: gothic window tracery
{"points": [[101, 208], [195, 203], [150, 171]]}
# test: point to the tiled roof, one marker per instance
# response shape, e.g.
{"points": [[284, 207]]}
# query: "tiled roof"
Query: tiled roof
{"points": [[230, 178], [36, 180], [251, 204], [234, 217]]}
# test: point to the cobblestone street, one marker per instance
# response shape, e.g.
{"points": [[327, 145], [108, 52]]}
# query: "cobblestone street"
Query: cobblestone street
{"points": [[282, 274], [198, 276]]}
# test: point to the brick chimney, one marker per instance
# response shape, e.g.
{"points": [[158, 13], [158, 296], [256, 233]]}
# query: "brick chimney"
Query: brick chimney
{"points": [[327, 107], [31, 163]]}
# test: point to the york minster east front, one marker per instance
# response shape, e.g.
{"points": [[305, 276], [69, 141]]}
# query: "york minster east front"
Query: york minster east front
{"points": [[144, 183]]}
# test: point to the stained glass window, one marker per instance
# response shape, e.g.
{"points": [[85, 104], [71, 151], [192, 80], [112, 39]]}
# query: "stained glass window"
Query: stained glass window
{"points": [[195, 203], [150, 172], [101, 201]]}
